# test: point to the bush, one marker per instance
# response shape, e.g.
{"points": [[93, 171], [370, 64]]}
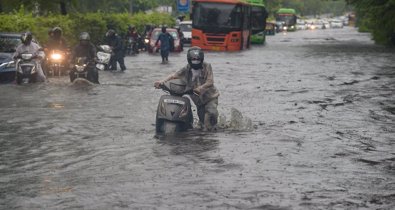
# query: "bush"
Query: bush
{"points": [[96, 24]]}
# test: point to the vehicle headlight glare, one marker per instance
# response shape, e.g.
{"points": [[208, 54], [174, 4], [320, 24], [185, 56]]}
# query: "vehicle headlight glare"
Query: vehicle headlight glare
{"points": [[56, 56]]}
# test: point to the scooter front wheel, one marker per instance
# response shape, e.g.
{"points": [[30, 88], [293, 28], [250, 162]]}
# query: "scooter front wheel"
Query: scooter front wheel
{"points": [[19, 78], [169, 127]]}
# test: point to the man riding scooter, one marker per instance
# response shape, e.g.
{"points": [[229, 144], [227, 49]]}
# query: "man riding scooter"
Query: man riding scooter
{"points": [[28, 46], [199, 76]]}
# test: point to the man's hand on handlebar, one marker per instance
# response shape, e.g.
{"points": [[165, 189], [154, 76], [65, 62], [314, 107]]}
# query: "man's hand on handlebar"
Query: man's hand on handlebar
{"points": [[158, 83]]}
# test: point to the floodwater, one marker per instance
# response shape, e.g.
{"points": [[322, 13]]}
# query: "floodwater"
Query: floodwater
{"points": [[321, 106]]}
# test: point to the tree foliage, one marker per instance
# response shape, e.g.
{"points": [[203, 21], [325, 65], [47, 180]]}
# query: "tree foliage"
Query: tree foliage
{"points": [[377, 16], [95, 23], [44, 7], [309, 7]]}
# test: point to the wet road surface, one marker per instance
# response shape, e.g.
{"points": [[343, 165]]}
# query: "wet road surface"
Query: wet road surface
{"points": [[321, 105]]}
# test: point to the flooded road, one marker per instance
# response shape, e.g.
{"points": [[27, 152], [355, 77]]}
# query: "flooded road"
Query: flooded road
{"points": [[322, 107]]}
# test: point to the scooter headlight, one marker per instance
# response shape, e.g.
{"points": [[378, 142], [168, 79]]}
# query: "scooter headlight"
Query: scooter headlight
{"points": [[146, 41], [27, 56]]}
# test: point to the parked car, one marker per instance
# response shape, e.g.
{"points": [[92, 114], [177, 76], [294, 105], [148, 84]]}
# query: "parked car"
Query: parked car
{"points": [[186, 29], [326, 24], [316, 25], [154, 36], [301, 25]]}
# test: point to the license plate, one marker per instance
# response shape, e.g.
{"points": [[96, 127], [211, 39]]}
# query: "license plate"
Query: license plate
{"points": [[100, 66], [215, 48], [174, 101]]}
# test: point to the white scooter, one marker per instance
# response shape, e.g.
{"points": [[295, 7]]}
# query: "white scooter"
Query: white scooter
{"points": [[103, 57]]}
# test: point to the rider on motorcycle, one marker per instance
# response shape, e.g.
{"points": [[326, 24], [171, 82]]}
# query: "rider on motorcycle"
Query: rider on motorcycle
{"points": [[132, 33], [86, 49], [56, 40], [58, 43], [28, 46], [199, 76]]}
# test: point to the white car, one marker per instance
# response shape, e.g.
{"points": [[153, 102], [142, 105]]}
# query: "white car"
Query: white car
{"points": [[336, 24], [186, 29], [326, 24], [301, 25]]}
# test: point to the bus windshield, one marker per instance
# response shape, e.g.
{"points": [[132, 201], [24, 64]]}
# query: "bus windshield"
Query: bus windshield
{"points": [[288, 19], [217, 16]]}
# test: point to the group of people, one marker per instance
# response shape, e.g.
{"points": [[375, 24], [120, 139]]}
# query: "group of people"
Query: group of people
{"points": [[85, 48], [197, 73]]}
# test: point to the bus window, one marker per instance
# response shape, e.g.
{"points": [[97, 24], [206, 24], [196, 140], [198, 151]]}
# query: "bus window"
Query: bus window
{"points": [[216, 15]]}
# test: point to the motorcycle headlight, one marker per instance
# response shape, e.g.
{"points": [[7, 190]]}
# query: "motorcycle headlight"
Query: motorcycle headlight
{"points": [[146, 41], [56, 56]]}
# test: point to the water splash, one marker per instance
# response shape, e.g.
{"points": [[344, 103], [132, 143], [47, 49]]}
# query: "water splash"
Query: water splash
{"points": [[237, 121]]}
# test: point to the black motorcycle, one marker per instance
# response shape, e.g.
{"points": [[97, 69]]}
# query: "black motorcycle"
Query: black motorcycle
{"points": [[174, 112], [85, 69], [57, 63], [132, 46]]}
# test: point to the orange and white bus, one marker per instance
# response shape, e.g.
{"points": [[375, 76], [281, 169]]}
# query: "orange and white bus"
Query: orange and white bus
{"points": [[221, 25]]}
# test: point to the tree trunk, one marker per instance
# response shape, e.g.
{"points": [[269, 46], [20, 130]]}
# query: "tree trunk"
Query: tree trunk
{"points": [[131, 6], [63, 8]]}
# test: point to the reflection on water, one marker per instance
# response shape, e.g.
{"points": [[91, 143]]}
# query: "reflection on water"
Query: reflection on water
{"points": [[189, 143]]}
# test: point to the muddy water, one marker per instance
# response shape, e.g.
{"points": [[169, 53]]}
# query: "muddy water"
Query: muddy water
{"points": [[321, 104]]}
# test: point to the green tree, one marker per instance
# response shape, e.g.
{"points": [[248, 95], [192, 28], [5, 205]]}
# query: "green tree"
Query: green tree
{"points": [[378, 16]]}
